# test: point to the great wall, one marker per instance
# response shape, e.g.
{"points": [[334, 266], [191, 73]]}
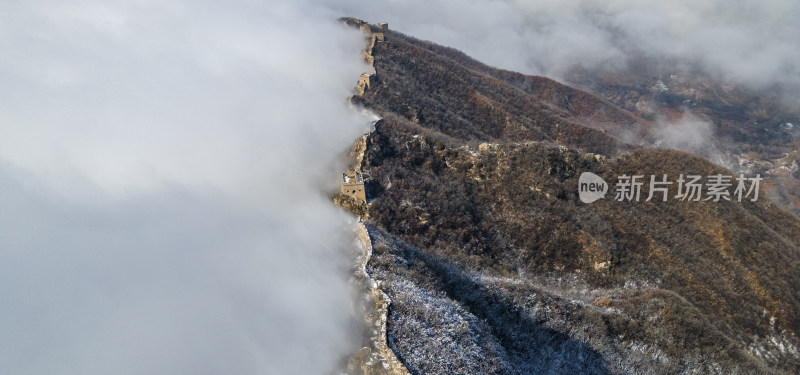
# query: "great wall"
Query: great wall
{"points": [[377, 358], [369, 78]]}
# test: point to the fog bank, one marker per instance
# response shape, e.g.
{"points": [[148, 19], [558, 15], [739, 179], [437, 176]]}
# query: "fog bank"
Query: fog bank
{"points": [[159, 167]]}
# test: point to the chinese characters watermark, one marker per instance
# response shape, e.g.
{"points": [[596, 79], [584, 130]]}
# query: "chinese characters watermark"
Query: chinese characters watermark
{"points": [[715, 188]]}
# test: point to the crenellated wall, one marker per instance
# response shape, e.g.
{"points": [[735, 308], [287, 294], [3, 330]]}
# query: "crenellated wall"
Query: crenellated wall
{"points": [[369, 78]]}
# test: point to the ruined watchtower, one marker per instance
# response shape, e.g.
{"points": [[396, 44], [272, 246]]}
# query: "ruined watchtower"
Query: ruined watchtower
{"points": [[353, 186], [364, 82]]}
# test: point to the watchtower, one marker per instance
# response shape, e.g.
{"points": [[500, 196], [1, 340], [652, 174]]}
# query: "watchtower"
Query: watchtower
{"points": [[353, 186], [364, 82]]}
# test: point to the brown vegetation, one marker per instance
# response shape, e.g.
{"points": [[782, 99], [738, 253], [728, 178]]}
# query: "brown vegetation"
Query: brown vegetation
{"points": [[495, 266]]}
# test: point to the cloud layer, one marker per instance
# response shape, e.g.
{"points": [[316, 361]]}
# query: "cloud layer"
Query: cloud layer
{"points": [[160, 207]]}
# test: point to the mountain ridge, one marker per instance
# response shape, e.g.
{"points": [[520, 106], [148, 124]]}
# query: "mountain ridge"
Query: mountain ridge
{"points": [[473, 195]]}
